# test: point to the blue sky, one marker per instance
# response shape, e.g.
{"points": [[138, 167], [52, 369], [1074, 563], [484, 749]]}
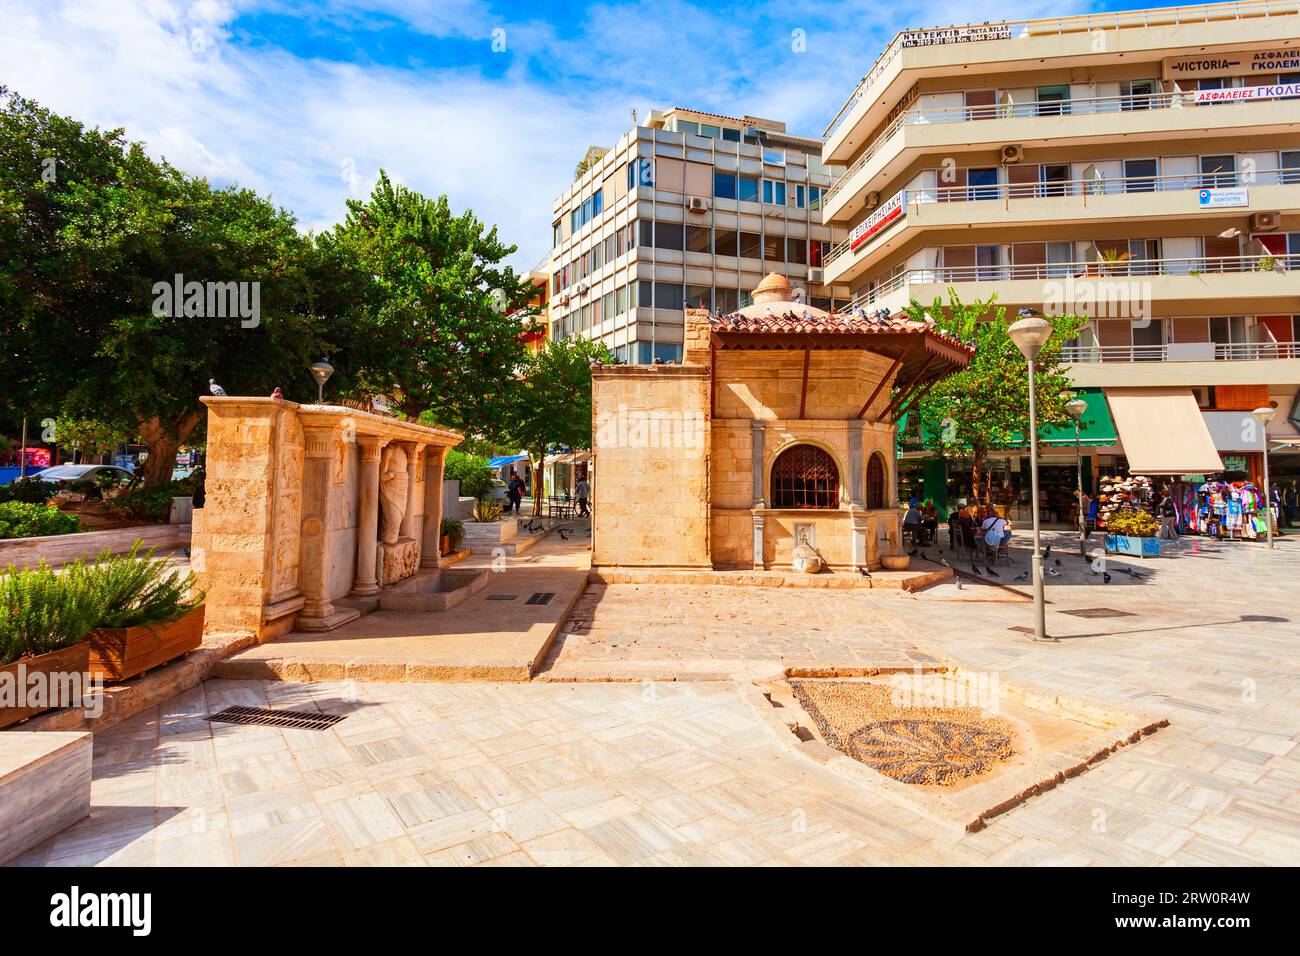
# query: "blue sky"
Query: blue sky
{"points": [[491, 103]]}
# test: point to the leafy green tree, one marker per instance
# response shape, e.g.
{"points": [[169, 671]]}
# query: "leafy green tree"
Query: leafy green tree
{"points": [[551, 403], [985, 407], [89, 437], [438, 336]]}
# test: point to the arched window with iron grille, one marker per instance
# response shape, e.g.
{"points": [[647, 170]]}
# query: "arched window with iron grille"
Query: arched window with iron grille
{"points": [[804, 476], [876, 481]]}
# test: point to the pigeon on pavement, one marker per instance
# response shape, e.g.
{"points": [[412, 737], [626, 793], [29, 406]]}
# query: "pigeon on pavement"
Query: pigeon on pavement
{"points": [[1022, 576], [1105, 577], [864, 572]]}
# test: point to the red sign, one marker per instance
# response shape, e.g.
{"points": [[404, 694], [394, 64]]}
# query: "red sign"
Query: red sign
{"points": [[38, 457], [878, 220]]}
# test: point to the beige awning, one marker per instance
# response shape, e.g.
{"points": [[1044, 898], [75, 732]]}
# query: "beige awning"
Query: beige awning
{"points": [[1163, 431], [569, 458]]}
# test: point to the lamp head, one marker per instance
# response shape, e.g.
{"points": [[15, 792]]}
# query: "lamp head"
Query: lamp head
{"points": [[1075, 408], [1264, 415], [1030, 333]]}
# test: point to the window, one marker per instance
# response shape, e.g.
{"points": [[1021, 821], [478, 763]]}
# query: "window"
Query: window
{"points": [[611, 252], [647, 233], [1055, 179], [683, 126], [796, 250], [575, 220], [1227, 329], [668, 235], [710, 131], [798, 196], [640, 172], [983, 183], [748, 191], [726, 301], [724, 242], [698, 238], [607, 306], [1140, 175], [1138, 94], [804, 476], [699, 297], [731, 135], [1053, 100], [774, 156], [875, 481], [557, 233], [773, 193], [645, 294], [1218, 171], [814, 197], [1291, 166], [980, 104], [772, 249], [750, 246], [588, 209], [668, 296], [724, 184], [623, 299]]}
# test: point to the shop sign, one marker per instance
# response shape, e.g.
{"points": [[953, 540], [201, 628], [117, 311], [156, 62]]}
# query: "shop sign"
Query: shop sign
{"points": [[892, 209], [1246, 63], [1192, 479], [993, 31], [37, 457], [1234, 462], [1281, 91], [1225, 198]]}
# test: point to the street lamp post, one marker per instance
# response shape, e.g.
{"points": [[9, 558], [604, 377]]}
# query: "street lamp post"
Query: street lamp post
{"points": [[321, 372], [1030, 334], [1075, 408], [1264, 416]]}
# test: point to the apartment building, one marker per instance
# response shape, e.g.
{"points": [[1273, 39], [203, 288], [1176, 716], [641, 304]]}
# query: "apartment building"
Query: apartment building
{"points": [[1141, 168], [688, 208]]}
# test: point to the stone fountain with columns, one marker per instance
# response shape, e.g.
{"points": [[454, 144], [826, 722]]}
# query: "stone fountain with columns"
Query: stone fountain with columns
{"points": [[311, 511]]}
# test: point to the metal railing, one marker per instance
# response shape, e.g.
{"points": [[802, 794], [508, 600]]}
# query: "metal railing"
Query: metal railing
{"points": [[1215, 351], [1078, 106], [1098, 269], [1084, 23], [1086, 188]]}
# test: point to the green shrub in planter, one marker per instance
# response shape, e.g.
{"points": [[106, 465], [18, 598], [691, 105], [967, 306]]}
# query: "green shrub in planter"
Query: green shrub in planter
{"points": [[135, 589], [21, 520], [30, 491], [473, 473], [1134, 524], [454, 529], [42, 611]]}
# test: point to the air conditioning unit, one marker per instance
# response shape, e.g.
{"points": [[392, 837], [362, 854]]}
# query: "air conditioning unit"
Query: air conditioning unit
{"points": [[697, 204], [562, 299], [1266, 222], [582, 288], [816, 276], [1012, 153], [873, 200]]}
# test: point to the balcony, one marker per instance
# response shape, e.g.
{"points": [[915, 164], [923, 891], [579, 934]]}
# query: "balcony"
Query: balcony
{"points": [[1147, 116], [1026, 205], [1221, 285], [1182, 352], [1028, 45], [1183, 363]]}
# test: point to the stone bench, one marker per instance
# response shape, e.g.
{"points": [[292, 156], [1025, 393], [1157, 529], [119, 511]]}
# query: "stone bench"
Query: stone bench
{"points": [[44, 786]]}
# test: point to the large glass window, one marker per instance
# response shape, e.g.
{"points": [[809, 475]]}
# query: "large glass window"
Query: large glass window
{"points": [[698, 238], [1140, 175], [748, 189], [726, 301], [814, 197], [724, 184], [750, 246], [645, 294], [699, 297], [796, 250], [773, 248], [710, 131], [1053, 100], [557, 233], [668, 235], [1218, 171], [724, 242], [804, 476], [668, 295], [1291, 166], [773, 192], [797, 195], [983, 183], [647, 232], [731, 135], [1138, 94]]}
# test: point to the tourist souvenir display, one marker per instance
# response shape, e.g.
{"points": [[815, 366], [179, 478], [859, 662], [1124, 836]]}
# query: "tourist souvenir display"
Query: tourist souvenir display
{"points": [[1116, 494], [1222, 509]]}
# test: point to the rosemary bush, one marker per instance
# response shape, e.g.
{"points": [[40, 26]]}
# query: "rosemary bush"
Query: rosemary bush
{"points": [[42, 610], [140, 589]]}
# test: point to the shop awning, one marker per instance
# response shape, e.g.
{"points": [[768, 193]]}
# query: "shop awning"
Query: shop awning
{"points": [[498, 463], [570, 458], [1163, 431]]}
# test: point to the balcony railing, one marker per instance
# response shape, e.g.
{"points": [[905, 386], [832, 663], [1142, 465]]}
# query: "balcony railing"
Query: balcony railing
{"points": [[1098, 270], [1086, 188], [1085, 23], [1077, 106], [1184, 351]]}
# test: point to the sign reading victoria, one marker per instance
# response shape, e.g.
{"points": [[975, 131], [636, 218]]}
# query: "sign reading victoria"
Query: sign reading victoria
{"points": [[1248, 63]]}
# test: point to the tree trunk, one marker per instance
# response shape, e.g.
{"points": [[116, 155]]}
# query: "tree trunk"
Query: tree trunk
{"points": [[163, 441], [977, 460], [539, 481]]}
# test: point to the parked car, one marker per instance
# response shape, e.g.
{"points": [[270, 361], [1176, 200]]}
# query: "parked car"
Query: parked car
{"points": [[62, 475]]}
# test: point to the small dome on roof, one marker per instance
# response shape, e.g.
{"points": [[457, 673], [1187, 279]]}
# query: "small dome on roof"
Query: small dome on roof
{"points": [[774, 288]]}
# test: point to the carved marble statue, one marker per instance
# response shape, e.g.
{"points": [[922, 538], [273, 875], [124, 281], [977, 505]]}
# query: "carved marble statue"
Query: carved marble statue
{"points": [[393, 483]]}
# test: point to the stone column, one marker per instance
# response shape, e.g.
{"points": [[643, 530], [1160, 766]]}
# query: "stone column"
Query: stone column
{"points": [[431, 538], [858, 524], [318, 484], [758, 434], [365, 582]]}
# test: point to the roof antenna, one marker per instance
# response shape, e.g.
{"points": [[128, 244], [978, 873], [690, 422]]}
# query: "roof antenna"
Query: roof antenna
{"points": [[634, 117]]}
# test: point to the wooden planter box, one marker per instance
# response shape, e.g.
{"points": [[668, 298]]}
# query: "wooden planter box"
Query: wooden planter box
{"points": [[118, 653], [446, 544], [1137, 547], [67, 660]]}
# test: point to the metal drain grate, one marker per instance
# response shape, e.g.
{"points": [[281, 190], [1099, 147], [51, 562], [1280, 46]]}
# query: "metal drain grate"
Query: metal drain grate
{"points": [[1099, 612], [265, 717], [541, 597]]}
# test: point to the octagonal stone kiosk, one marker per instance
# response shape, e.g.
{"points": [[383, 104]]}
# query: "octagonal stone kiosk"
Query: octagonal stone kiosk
{"points": [[311, 511], [774, 438]]}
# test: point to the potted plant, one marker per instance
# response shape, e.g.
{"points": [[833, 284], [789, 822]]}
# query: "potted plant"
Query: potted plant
{"points": [[1133, 533], [453, 532], [44, 619], [149, 614], [487, 510]]}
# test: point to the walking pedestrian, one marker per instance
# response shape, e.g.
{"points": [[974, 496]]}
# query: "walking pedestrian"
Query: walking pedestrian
{"points": [[515, 493], [584, 490]]}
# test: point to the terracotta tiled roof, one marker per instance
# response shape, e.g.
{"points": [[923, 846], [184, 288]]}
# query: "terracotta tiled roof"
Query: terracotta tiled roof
{"points": [[792, 319]]}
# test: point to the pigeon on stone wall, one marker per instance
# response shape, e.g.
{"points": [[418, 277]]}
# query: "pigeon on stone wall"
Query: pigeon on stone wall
{"points": [[276, 393], [215, 389]]}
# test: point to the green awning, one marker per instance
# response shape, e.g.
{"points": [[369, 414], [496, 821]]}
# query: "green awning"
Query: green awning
{"points": [[1095, 428]]}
